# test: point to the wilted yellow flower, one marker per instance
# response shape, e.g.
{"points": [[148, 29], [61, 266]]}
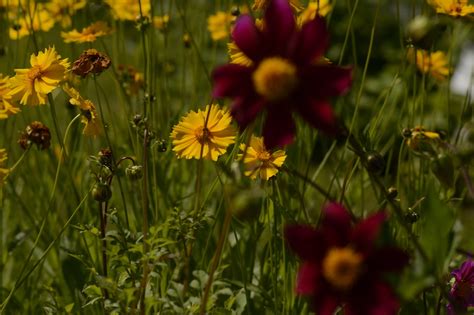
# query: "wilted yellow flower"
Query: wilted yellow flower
{"points": [[62, 10], [310, 12], [194, 138], [21, 26], [6, 108], [161, 22], [88, 34], [89, 114], [422, 141], [128, 9], [258, 161], [219, 25], [435, 63], [32, 85], [262, 4], [453, 7], [3, 171]]}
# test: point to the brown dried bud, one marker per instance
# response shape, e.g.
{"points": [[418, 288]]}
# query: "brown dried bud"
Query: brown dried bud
{"points": [[105, 157], [90, 61], [35, 133]]}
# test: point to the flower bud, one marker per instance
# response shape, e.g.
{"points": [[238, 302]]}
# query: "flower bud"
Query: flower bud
{"points": [[105, 157], [375, 162], [187, 40], [392, 192], [101, 192], [411, 216], [134, 172]]}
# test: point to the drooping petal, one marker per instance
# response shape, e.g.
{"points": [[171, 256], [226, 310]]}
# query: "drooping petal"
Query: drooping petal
{"points": [[280, 25], [323, 81], [232, 80], [310, 42], [248, 37], [366, 232], [305, 241], [279, 128], [388, 259], [307, 281], [246, 108], [319, 114]]}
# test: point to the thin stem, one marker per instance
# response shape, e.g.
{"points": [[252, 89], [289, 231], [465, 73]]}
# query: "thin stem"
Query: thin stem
{"points": [[145, 222]]}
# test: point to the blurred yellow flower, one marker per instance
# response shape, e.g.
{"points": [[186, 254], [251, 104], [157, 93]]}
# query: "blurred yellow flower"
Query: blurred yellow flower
{"points": [[88, 34], [6, 108], [32, 85], [194, 138], [89, 114], [310, 12], [258, 161], [62, 10], [262, 4], [453, 7], [422, 141], [161, 22], [128, 9], [21, 26], [3, 171], [434, 63], [219, 25]]}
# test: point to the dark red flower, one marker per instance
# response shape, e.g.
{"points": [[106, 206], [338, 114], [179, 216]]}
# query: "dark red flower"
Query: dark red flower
{"points": [[286, 74], [342, 266], [462, 291]]}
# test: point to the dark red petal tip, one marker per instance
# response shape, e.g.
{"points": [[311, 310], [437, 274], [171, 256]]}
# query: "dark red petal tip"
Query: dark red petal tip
{"points": [[247, 37]]}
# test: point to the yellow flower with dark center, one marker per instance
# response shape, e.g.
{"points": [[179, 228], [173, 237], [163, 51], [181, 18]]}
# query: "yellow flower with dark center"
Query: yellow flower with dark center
{"points": [[434, 63], [21, 26], [88, 34], [258, 161], [206, 133], [161, 22], [262, 4], [62, 10], [128, 10], [6, 108], [219, 25], [454, 8], [342, 267], [3, 170], [32, 85], [89, 114], [314, 9]]}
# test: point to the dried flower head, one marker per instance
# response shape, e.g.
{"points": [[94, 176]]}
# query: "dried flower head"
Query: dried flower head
{"points": [[91, 61], [35, 133]]}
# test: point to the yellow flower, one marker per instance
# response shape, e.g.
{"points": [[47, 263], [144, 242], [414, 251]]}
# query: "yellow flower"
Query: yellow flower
{"points": [[3, 171], [310, 12], [161, 22], [89, 114], [259, 161], [452, 7], [88, 34], [219, 25], [6, 108], [21, 26], [422, 141], [62, 10], [262, 4], [33, 84], [128, 9], [193, 138], [435, 63]]}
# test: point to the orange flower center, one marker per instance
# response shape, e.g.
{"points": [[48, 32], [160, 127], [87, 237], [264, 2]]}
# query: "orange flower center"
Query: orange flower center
{"points": [[275, 78], [202, 134], [35, 73], [342, 267], [264, 156]]}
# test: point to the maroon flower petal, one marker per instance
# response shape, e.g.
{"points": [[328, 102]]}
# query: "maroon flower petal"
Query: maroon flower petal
{"points": [[248, 37], [305, 241], [323, 81], [378, 299], [319, 114], [307, 281], [280, 25], [326, 305], [336, 224], [388, 259], [246, 108], [279, 129], [311, 42], [232, 80], [366, 232]]}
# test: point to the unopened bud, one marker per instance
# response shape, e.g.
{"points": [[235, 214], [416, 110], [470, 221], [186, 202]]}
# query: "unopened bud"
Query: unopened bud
{"points": [[134, 172], [101, 192]]}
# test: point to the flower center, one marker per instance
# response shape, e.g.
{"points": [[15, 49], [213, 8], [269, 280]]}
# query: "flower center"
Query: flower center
{"points": [[264, 156], [202, 134], [35, 73], [342, 267], [275, 78]]}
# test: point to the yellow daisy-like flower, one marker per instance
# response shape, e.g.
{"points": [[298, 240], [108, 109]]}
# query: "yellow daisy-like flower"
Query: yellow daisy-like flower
{"points": [[422, 141], [89, 114], [262, 4], [88, 34], [32, 85], [161, 22], [6, 108], [21, 26], [258, 161], [62, 10], [128, 10], [454, 8], [3, 171], [435, 63], [219, 25], [313, 9], [193, 138]]}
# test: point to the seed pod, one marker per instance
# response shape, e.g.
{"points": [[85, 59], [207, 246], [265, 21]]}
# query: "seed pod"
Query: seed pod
{"points": [[101, 192], [412, 216], [392, 192], [375, 162], [134, 172]]}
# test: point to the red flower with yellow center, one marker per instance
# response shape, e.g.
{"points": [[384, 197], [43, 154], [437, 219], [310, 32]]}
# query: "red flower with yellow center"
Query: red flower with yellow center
{"points": [[342, 266], [283, 76]]}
